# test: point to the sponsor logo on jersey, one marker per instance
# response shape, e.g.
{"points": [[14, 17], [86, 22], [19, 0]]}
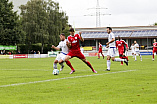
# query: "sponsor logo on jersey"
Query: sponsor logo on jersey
{"points": [[75, 41]]}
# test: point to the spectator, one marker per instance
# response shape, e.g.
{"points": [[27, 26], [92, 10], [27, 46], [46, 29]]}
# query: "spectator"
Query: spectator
{"points": [[34, 52], [12, 52], [38, 52], [1, 52], [18, 52]]}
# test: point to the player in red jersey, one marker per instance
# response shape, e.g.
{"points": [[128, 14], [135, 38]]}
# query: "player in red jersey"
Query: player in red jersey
{"points": [[154, 48], [100, 51], [120, 44], [74, 47]]}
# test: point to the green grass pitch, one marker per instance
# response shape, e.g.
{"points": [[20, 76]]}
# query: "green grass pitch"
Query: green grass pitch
{"points": [[30, 81]]}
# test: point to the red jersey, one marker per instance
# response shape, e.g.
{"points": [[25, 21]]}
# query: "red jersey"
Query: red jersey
{"points": [[100, 47], [155, 44], [120, 44], [74, 40]]}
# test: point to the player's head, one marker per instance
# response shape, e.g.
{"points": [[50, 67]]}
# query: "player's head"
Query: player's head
{"points": [[119, 38], [154, 40], [135, 42], [62, 37], [72, 31], [99, 43], [109, 30], [132, 44]]}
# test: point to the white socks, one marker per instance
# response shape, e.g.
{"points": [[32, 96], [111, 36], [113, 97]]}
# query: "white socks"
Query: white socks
{"points": [[108, 64], [118, 59], [141, 57], [54, 65], [135, 57]]}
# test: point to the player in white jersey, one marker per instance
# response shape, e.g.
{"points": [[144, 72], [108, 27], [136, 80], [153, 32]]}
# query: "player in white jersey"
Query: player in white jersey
{"points": [[133, 50], [61, 57], [137, 50], [112, 49]]}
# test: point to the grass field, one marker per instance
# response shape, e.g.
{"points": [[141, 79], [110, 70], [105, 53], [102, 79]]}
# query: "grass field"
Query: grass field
{"points": [[30, 81]]}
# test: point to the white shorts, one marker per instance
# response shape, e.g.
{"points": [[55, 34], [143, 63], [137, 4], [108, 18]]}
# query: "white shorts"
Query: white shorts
{"points": [[60, 56], [137, 52], [133, 51], [111, 52]]}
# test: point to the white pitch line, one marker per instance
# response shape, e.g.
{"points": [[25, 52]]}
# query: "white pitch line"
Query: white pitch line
{"points": [[17, 84], [23, 70]]}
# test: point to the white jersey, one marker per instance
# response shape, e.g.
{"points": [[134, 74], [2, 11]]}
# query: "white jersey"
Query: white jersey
{"points": [[133, 48], [110, 37], [62, 45], [136, 45]]}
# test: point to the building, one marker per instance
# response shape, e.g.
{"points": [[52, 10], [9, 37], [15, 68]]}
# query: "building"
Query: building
{"points": [[144, 35]]}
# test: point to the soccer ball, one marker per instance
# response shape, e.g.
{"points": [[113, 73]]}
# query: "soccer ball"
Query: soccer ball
{"points": [[55, 72]]}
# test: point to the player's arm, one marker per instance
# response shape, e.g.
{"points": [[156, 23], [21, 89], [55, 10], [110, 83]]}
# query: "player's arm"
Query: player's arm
{"points": [[107, 46], [56, 48], [116, 44], [68, 44], [81, 37], [126, 46], [110, 41]]}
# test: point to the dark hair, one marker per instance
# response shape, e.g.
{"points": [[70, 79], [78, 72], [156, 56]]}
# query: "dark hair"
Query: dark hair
{"points": [[62, 34], [109, 28], [71, 30]]}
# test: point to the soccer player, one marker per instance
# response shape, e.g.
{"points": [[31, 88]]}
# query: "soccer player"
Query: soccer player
{"points": [[74, 46], [81, 49], [61, 57], [120, 45], [132, 49], [137, 50], [100, 51], [111, 49], [154, 48]]}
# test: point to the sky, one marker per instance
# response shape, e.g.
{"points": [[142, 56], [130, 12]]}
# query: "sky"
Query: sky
{"points": [[123, 12]]}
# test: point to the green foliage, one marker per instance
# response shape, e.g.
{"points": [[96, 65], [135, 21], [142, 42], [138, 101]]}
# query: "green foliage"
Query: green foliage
{"points": [[155, 23], [25, 48], [11, 32], [43, 22]]}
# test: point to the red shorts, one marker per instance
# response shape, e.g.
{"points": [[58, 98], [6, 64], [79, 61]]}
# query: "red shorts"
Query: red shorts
{"points": [[121, 52], [154, 51], [77, 54], [100, 51]]}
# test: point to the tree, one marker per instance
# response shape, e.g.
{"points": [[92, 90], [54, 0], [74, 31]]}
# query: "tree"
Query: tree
{"points": [[42, 22], [10, 28], [155, 24]]}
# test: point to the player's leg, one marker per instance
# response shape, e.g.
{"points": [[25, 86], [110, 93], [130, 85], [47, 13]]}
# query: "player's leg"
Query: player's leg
{"points": [[82, 57], [117, 59], [61, 61], [120, 56], [135, 56], [56, 61], [67, 62], [102, 55], [98, 55], [67, 57], [55, 64], [108, 63], [140, 56], [153, 55]]}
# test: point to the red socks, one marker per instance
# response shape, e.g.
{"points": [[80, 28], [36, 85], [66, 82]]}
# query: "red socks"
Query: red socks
{"points": [[69, 64], [88, 63]]}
